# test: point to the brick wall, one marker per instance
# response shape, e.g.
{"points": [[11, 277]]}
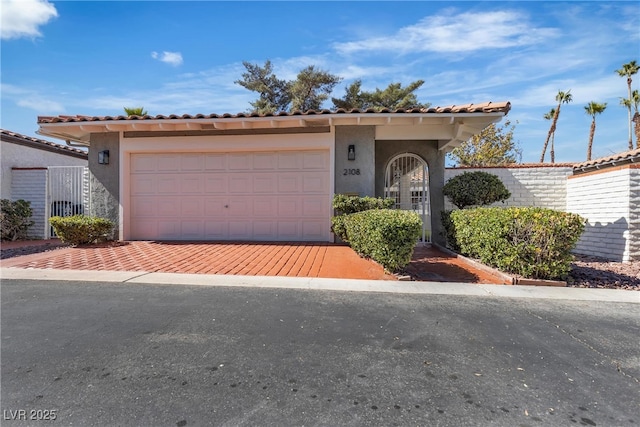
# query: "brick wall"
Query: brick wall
{"points": [[634, 213], [31, 185], [543, 186]]}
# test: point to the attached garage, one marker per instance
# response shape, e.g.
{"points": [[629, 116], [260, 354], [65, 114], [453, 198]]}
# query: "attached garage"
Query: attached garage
{"points": [[268, 196]]}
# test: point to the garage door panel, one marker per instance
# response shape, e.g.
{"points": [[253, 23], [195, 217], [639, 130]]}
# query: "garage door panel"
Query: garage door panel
{"points": [[315, 160], [168, 163], [215, 162], [191, 230], [143, 185], [169, 229], [275, 195], [264, 183], [167, 208], [240, 207], [215, 230], [265, 161], [215, 184], [169, 184], [240, 162], [215, 207], [191, 162], [314, 183], [240, 184], [288, 230], [289, 183], [191, 207]]}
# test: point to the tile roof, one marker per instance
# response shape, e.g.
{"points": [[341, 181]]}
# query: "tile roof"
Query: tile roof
{"points": [[486, 107], [631, 156], [41, 144]]}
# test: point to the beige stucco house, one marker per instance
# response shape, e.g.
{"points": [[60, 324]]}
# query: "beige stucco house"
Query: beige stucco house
{"points": [[265, 177]]}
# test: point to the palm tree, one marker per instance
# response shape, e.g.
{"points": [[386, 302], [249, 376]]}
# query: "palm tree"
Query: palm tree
{"points": [[627, 71], [135, 111], [562, 98], [549, 116], [593, 109], [635, 98]]}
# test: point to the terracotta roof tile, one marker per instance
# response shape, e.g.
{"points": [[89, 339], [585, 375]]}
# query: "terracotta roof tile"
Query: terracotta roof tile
{"points": [[630, 156], [31, 141], [486, 107]]}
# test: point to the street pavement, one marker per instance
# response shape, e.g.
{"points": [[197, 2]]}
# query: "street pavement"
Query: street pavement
{"points": [[127, 352]]}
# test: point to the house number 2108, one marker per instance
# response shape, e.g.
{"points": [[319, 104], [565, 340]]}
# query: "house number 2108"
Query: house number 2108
{"points": [[351, 172]]}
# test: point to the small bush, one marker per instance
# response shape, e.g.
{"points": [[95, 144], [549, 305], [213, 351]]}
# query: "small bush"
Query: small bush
{"points": [[15, 219], [475, 189], [449, 231], [387, 236], [345, 205], [532, 242], [81, 229]]}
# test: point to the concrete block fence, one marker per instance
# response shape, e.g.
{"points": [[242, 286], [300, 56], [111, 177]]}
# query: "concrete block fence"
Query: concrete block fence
{"points": [[608, 198]]}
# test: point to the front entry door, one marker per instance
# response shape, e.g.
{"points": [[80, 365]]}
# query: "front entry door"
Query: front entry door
{"points": [[407, 182]]}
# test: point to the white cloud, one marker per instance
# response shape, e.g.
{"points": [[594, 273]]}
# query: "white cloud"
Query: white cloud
{"points": [[450, 33], [171, 58], [31, 98], [22, 18]]}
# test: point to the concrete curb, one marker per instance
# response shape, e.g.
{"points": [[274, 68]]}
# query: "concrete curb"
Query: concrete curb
{"points": [[344, 285]]}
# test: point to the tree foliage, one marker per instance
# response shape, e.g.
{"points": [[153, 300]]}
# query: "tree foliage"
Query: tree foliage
{"points": [[475, 189], [493, 146], [308, 91], [135, 111], [593, 109], [629, 69], [562, 98], [392, 97]]}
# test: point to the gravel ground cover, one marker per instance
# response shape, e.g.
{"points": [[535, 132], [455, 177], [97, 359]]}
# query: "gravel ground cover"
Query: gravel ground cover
{"points": [[592, 272]]}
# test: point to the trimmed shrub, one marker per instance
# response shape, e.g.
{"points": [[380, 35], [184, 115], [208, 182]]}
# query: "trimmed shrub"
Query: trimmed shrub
{"points": [[15, 219], [532, 242], [387, 236], [475, 189], [449, 231], [345, 205], [81, 229]]}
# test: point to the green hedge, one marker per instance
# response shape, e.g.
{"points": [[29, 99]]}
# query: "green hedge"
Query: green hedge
{"points": [[532, 242], [387, 236], [345, 205], [475, 189], [15, 219], [81, 229]]}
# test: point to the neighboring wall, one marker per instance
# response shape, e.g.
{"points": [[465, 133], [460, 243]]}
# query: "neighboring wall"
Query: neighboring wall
{"points": [[530, 185], [31, 185], [14, 155], [610, 201]]}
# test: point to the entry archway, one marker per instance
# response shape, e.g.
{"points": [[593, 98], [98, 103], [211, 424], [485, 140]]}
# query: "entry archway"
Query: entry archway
{"points": [[406, 181]]}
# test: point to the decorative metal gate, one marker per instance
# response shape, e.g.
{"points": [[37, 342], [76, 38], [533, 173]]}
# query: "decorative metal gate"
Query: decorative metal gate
{"points": [[67, 192], [407, 182]]}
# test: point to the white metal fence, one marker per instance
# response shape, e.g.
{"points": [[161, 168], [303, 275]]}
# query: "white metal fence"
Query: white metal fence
{"points": [[67, 192]]}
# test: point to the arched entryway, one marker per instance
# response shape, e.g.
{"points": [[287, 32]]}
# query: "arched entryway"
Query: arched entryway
{"points": [[406, 181]]}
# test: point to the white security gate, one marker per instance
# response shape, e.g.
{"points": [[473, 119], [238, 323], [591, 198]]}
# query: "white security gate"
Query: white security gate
{"points": [[407, 182], [67, 192]]}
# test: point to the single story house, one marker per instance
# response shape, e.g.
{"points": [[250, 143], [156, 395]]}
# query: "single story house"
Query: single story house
{"points": [[265, 177]]}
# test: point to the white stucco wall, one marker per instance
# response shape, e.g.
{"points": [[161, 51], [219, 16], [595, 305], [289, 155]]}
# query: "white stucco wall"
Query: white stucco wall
{"points": [[610, 201], [541, 186], [15, 155]]}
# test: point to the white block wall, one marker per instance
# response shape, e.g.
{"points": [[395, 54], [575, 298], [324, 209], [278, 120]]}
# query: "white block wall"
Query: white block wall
{"points": [[31, 185], [541, 186], [607, 199]]}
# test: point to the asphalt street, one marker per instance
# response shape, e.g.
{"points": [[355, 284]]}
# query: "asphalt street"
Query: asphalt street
{"points": [[107, 354]]}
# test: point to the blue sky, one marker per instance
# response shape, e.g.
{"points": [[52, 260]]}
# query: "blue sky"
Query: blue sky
{"points": [[94, 58]]}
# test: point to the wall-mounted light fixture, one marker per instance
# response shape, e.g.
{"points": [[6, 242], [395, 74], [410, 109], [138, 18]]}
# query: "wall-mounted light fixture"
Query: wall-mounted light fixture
{"points": [[103, 157], [351, 154]]}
